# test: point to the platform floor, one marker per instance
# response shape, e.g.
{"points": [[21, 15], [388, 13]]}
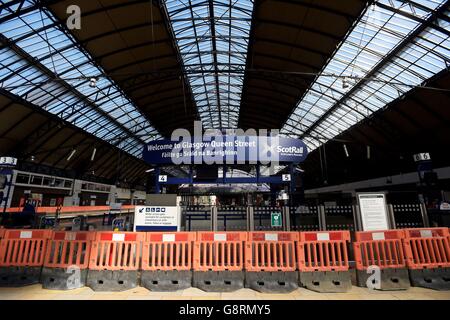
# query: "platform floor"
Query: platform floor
{"points": [[36, 292]]}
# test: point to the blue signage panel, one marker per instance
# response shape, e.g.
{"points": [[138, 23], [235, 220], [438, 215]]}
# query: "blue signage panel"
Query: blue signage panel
{"points": [[226, 150]]}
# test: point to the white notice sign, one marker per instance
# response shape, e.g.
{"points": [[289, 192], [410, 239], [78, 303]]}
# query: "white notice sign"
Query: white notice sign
{"points": [[373, 211], [156, 218]]}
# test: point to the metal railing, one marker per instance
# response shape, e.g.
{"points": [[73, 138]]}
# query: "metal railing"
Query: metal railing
{"points": [[295, 218]]}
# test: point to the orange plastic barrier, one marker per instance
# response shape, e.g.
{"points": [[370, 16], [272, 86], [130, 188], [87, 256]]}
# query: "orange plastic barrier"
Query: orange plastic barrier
{"points": [[116, 251], [323, 251], [427, 248], [271, 251], [379, 248], [168, 251], [68, 248], [23, 248], [219, 251]]}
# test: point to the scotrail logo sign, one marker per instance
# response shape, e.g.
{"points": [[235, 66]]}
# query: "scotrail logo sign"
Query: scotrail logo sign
{"points": [[228, 147]]}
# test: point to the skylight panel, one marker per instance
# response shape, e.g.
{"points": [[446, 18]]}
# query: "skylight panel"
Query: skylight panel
{"points": [[231, 26], [35, 33], [378, 32]]}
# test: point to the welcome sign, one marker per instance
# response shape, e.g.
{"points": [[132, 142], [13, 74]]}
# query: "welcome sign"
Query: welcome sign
{"points": [[226, 150]]}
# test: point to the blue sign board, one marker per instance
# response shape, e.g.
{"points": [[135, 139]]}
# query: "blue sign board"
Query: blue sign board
{"points": [[226, 150]]}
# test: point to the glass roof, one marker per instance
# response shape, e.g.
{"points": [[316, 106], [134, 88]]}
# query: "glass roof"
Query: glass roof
{"points": [[212, 37], [339, 88], [42, 63], [382, 57]]}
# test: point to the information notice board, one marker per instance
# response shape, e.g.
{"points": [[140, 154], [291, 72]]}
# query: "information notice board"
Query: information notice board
{"points": [[157, 218], [373, 211]]}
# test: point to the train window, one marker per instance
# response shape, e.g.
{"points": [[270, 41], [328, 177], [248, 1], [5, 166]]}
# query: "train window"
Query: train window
{"points": [[59, 183], [37, 180], [23, 178], [48, 181], [67, 184]]}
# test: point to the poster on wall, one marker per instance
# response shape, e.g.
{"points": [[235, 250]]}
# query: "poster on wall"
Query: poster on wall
{"points": [[157, 218], [373, 211]]}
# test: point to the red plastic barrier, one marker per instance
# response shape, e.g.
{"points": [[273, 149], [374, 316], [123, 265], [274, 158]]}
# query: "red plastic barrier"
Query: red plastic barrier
{"points": [[68, 248], [271, 251], [427, 248], [379, 248], [323, 251], [23, 248], [219, 251], [168, 251], [116, 251]]}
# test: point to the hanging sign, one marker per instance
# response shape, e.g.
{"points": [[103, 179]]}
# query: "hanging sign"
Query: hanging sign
{"points": [[422, 157], [8, 162], [226, 150], [162, 178]]}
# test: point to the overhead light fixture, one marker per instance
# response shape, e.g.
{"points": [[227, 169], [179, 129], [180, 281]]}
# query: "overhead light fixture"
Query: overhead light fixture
{"points": [[93, 83], [32, 158], [149, 170], [299, 170], [71, 154], [346, 151], [93, 154]]}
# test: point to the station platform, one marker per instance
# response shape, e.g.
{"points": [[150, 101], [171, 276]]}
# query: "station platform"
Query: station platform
{"points": [[36, 292]]}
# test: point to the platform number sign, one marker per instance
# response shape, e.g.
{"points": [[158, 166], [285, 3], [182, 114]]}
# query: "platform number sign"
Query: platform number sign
{"points": [[422, 157], [275, 219], [162, 178], [286, 177]]}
